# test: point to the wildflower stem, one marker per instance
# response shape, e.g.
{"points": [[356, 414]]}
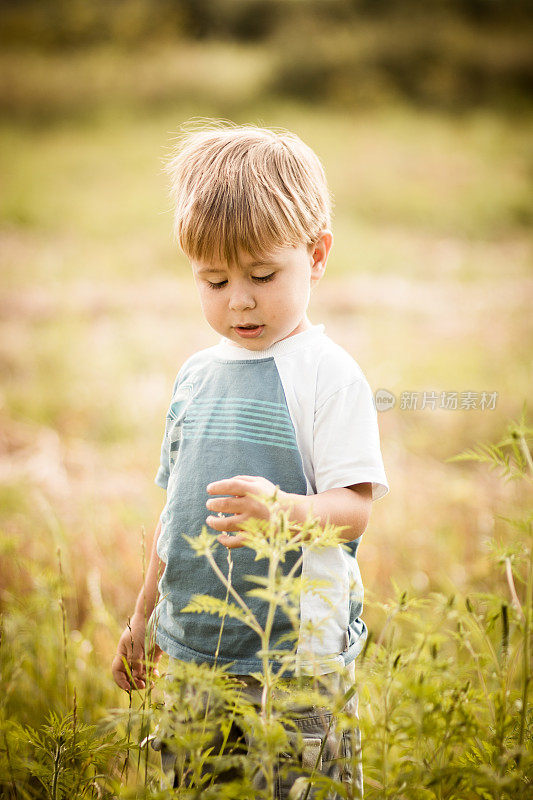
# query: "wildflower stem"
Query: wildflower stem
{"points": [[295, 567], [230, 570], [510, 582], [10, 767], [57, 763], [74, 731], [64, 626], [266, 700], [252, 622], [525, 450], [217, 651], [266, 696], [527, 648], [130, 694], [147, 675]]}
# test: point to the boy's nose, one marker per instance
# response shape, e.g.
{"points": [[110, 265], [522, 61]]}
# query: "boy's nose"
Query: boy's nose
{"points": [[241, 299]]}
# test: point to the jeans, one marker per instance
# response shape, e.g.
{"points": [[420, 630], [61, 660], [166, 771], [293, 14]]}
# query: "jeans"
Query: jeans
{"points": [[320, 749]]}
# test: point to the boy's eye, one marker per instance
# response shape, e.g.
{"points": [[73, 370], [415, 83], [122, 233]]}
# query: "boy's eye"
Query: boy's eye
{"points": [[257, 278]]}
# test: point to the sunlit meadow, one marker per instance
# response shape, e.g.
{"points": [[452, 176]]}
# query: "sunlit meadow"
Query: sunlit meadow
{"points": [[429, 287]]}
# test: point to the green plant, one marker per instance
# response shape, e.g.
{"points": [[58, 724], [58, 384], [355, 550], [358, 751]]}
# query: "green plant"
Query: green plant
{"points": [[444, 686], [444, 689]]}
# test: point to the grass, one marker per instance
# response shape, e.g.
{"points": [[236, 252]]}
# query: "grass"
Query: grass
{"points": [[444, 687], [428, 288]]}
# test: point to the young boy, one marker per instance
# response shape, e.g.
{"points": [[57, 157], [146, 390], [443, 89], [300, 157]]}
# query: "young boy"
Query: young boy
{"points": [[275, 403]]}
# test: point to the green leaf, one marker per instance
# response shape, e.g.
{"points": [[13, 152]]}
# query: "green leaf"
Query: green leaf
{"points": [[204, 603]]}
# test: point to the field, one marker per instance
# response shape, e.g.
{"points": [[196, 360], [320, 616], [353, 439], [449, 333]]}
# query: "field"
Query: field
{"points": [[429, 287]]}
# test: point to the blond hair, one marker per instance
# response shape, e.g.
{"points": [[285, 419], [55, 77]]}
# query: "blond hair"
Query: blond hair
{"points": [[244, 188]]}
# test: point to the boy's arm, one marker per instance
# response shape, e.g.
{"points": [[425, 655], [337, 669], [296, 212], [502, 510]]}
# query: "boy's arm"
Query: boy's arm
{"points": [[349, 506], [131, 643]]}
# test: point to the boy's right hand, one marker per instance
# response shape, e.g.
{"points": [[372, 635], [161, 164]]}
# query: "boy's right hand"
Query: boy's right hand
{"points": [[131, 649]]}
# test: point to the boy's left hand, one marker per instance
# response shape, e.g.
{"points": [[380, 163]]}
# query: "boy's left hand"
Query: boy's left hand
{"points": [[241, 504]]}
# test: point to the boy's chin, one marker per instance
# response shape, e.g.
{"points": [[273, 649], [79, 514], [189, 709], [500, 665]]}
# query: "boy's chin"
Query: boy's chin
{"points": [[259, 341], [251, 344]]}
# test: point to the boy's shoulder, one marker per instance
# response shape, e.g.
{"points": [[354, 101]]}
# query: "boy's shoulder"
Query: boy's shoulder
{"points": [[336, 369], [334, 357], [192, 365], [318, 367]]}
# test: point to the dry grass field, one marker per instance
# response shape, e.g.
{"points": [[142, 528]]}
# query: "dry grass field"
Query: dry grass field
{"points": [[429, 287]]}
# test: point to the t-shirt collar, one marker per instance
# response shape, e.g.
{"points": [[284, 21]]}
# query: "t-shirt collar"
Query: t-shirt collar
{"points": [[231, 350]]}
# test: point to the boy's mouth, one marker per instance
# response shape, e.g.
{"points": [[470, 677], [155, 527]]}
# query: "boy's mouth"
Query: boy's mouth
{"points": [[249, 331]]}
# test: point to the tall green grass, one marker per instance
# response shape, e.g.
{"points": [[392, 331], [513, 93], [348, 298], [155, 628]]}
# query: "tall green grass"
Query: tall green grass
{"points": [[444, 684], [431, 246]]}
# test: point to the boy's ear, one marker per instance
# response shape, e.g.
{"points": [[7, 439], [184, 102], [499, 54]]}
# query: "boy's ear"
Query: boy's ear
{"points": [[319, 254]]}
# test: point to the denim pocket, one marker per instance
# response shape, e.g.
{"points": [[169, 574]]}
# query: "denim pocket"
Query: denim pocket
{"points": [[317, 751]]}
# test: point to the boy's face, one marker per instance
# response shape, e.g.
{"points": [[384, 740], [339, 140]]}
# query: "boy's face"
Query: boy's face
{"points": [[257, 303]]}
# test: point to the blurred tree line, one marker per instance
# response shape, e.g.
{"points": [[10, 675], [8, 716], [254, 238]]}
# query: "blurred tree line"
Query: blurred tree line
{"points": [[449, 53]]}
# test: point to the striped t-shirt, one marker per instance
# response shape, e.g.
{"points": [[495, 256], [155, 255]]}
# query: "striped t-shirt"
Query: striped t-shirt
{"points": [[301, 414]]}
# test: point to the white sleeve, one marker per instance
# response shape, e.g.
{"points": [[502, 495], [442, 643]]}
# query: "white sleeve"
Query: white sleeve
{"points": [[346, 441]]}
